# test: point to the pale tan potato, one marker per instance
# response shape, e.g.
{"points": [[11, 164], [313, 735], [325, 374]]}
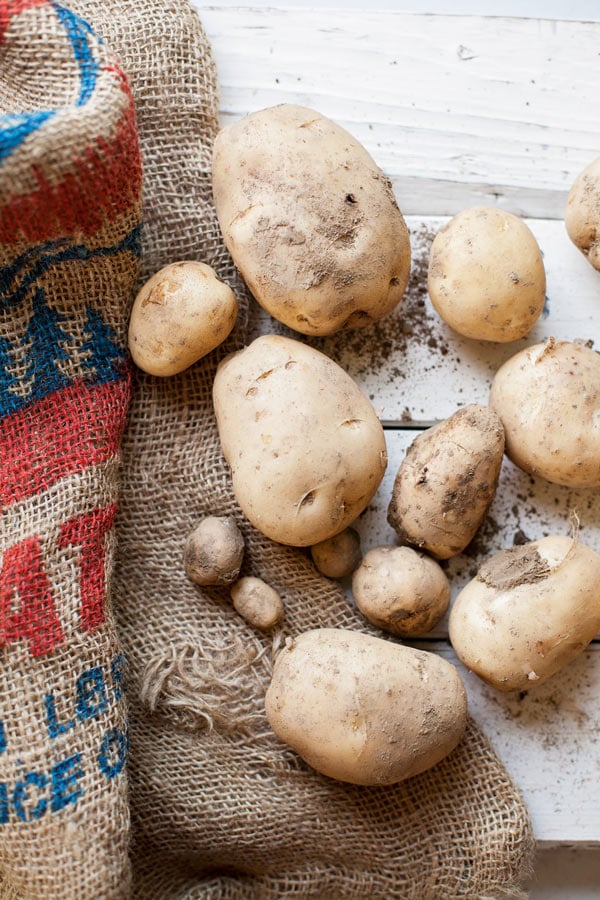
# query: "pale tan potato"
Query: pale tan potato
{"points": [[214, 551], [179, 315], [447, 481], [310, 220], [528, 613], [582, 215], [401, 590], [486, 275], [338, 557], [548, 397], [365, 710], [257, 602], [306, 449]]}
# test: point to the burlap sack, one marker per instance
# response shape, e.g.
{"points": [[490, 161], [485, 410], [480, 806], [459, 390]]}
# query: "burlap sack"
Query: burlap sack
{"points": [[70, 207], [219, 807]]}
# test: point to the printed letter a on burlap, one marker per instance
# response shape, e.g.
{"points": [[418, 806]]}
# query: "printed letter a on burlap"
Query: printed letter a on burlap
{"points": [[70, 185]]}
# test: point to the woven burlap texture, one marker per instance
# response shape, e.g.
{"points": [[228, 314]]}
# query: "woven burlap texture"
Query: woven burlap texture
{"points": [[70, 210], [221, 808]]}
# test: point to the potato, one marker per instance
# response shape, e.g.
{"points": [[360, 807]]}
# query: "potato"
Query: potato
{"points": [[582, 215], [338, 556], [257, 602], [528, 613], [214, 551], [548, 397], [306, 449], [310, 220], [362, 709], [447, 482], [486, 275], [401, 590], [179, 315]]}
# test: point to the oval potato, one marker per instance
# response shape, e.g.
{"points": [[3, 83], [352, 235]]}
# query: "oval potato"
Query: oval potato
{"points": [[310, 220], [528, 613], [178, 316], [486, 275], [447, 481], [306, 449], [582, 215], [365, 710], [548, 398]]}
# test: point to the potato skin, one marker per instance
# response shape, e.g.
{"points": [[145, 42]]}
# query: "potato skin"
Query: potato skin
{"points": [[447, 481], [582, 215], [365, 710], [548, 397], [486, 275], [178, 316], [306, 449], [310, 220], [257, 602], [528, 613], [214, 551], [401, 590], [338, 557]]}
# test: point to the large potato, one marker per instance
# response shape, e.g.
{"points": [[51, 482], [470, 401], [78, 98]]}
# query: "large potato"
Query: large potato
{"points": [[486, 275], [306, 449], [365, 710], [447, 482], [310, 220], [548, 397], [582, 215], [529, 611]]}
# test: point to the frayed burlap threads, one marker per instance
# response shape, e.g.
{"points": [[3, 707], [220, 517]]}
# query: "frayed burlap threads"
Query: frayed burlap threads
{"points": [[220, 808], [70, 182]]}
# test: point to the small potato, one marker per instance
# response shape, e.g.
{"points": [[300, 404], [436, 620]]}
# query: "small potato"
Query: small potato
{"points": [[365, 710], [528, 613], [338, 556], [401, 590], [582, 215], [214, 551], [447, 481], [257, 602], [486, 275], [548, 398], [179, 315], [310, 220], [306, 449]]}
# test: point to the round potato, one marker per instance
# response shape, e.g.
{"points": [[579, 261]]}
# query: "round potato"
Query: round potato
{"points": [[447, 481], [528, 613], [214, 551], [582, 215], [338, 556], [548, 398], [486, 275], [401, 590], [306, 449], [310, 220], [362, 709], [257, 602], [179, 315]]}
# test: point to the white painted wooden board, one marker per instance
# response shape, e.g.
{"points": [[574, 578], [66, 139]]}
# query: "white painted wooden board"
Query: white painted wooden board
{"points": [[458, 111]]}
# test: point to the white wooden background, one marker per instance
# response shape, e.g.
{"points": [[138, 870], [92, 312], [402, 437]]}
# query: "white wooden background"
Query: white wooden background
{"points": [[459, 111]]}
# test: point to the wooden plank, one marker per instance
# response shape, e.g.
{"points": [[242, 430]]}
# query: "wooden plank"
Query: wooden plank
{"points": [[457, 110]]}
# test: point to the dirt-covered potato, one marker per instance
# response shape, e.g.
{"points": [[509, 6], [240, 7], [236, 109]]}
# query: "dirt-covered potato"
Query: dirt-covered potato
{"points": [[306, 449], [401, 590], [214, 551], [548, 397], [338, 557], [486, 275], [447, 481], [365, 710], [310, 220], [179, 315], [582, 215], [528, 613], [258, 603]]}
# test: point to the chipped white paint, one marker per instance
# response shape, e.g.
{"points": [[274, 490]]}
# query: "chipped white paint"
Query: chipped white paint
{"points": [[459, 111]]}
